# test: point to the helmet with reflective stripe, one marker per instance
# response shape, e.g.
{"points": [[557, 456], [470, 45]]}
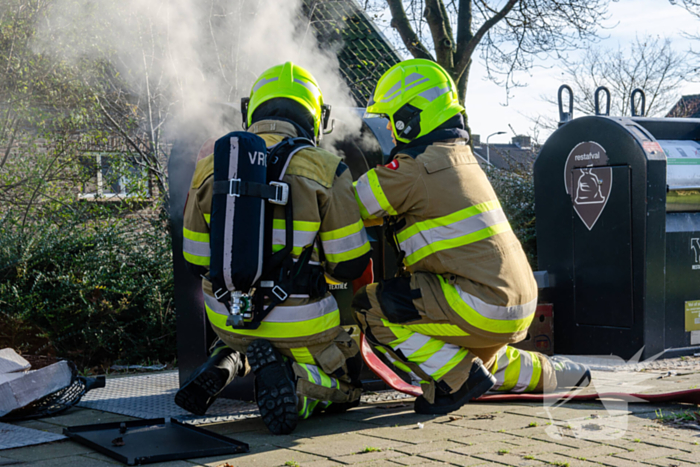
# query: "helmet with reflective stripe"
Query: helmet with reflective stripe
{"points": [[290, 82], [417, 96]]}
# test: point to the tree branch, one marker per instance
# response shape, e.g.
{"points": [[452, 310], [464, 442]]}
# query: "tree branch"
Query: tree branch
{"points": [[468, 50], [399, 21], [438, 21]]}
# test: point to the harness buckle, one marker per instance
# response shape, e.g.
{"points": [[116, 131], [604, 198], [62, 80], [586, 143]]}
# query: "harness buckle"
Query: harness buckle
{"points": [[234, 187], [281, 193], [279, 292], [219, 296]]}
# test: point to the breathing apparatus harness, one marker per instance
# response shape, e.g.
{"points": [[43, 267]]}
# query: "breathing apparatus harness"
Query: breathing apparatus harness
{"points": [[246, 275]]}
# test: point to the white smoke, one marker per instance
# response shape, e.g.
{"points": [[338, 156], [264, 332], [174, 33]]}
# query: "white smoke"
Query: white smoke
{"points": [[185, 54]]}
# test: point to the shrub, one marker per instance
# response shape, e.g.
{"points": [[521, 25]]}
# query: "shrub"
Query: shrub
{"points": [[95, 290]]}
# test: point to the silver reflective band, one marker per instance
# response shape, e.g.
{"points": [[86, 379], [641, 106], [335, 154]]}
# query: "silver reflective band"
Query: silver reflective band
{"points": [[433, 93], [196, 248], [341, 245], [525, 372], [263, 82], [364, 192], [302, 238], [503, 313], [439, 359], [284, 314], [412, 344], [467, 226]]}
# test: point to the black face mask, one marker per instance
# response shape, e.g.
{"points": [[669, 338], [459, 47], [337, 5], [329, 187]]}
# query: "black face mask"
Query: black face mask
{"points": [[455, 123], [289, 111]]}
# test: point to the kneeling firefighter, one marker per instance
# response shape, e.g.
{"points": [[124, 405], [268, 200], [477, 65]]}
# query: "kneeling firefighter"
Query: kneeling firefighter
{"points": [[465, 289], [305, 218]]}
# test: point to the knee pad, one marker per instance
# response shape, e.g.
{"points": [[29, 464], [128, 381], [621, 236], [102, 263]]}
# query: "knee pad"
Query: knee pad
{"points": [[396, 300]]}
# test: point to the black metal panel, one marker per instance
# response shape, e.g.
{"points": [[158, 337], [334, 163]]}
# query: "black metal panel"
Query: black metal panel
{"points": [[682, 273], [603, 260], [671, 128], [139, 442]]}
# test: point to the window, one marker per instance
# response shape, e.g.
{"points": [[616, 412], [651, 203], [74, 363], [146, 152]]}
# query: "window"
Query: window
{"points": [[110, 176]]}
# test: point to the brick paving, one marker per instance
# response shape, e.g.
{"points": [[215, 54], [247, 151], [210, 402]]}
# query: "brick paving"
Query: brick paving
{"points": [[391, 434]]}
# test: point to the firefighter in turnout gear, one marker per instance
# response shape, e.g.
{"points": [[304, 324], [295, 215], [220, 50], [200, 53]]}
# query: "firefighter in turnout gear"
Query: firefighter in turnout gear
{"points": [[465, 289], [303, 360]]}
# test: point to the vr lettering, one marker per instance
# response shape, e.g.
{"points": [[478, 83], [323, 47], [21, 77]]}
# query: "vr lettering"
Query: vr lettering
{"points": [[258, 158]]}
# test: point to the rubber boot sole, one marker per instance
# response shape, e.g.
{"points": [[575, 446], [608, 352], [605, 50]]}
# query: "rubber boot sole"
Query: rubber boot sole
{"points": [[421, 406], [275, 393], [199, 393]]}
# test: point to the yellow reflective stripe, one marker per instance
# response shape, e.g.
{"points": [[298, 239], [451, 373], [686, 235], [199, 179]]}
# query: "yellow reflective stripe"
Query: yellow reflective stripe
{"points": [[302, 226], [512, 371], [379, 193], [325, 379], [207, 218], [198, 260], [400, 332], [536, 372], [348, 255], [429, 349], [454, 361], [456, 242], [196, 236], [437, 329], [364, 214], [471, 316], [280, 330], [402, 366], [447, 220], [342, 232], [302, 355]]}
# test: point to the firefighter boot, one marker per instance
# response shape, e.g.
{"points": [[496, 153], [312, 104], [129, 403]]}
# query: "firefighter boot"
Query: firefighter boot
{"points": [[479, 381], [207, 381], [275, 392], [570, 374]]}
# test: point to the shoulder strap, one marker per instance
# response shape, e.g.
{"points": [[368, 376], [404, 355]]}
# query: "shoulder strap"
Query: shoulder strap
{"points": [[281, 153]]}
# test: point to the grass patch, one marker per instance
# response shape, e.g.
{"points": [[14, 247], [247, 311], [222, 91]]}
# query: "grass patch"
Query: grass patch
{"points": [[292, 464], [371, 449], [532, 424], [503, 451]]}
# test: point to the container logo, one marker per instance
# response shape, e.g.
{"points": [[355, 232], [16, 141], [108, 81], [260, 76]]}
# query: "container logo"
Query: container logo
{"points": [[695, 246], [588, 181]]}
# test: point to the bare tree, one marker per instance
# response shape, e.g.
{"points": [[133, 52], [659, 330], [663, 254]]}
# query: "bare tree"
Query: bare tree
{"points": [[508, 34]]}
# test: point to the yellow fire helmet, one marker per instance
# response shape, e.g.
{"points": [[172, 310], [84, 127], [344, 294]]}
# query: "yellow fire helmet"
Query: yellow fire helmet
{"points": [[417, 96], [288, 81]]}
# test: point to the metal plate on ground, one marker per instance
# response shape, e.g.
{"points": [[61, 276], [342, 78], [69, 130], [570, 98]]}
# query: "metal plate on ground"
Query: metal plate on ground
{"points": [[153, 396], [12, 436], [158, 440]]}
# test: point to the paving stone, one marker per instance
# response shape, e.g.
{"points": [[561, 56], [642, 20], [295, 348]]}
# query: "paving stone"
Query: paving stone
{"points": [[413, 449], [507, 459], [646, 451], [413, 460], [413, 434], [500, 421], [334, 446], [478, 448], [558, 459], [40, 425], [677, 444], [601, 450], [614, 461], [537, 446], [453, 458], [272, 458], [361, 457], [668, 461], [401, 417], [487, 437], [73, 461], [689, 458], [47, 451], [106, 459]]}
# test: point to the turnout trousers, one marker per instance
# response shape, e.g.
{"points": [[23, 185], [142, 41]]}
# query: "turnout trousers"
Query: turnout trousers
{"points": [[412, 328]]}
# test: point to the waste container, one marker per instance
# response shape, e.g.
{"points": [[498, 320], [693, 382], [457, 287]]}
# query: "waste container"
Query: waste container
{"points": [[618, 233]]}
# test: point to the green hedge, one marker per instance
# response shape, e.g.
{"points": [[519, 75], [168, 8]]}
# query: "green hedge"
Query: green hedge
{"points": [[97, 292]]}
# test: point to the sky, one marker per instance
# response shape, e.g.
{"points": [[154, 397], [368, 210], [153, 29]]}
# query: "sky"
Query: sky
{"points": [[486, 101]]}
